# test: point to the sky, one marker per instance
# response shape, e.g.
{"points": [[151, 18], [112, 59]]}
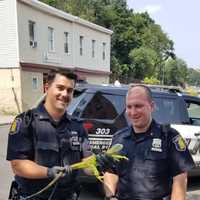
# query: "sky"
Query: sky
{"points": [[180, 20]]}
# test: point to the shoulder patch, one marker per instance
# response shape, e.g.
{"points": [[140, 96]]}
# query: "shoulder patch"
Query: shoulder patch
{"points": [[15, 126], [179, 143]]}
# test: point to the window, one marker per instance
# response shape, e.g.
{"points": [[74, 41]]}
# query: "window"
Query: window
{"points": [[166, 110], [66, 44], [50, 39], [102, 106], [93, 48], [81, 45], [193, 112], [31, 27], [97, 105], [104, 51], [35, 83]]}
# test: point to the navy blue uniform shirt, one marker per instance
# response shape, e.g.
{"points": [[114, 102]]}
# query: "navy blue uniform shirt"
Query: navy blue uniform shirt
{"points": [[39, 138], [155, 157]]}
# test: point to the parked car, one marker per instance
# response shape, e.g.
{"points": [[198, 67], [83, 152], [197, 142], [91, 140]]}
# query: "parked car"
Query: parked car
{"points": [[102, 110]]}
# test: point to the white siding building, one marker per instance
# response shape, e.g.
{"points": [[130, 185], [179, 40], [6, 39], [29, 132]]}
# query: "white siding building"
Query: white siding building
{"points": [[35, 38]]}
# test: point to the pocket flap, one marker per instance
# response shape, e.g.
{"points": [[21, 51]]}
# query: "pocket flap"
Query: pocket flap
{"points": [[47, 146]]}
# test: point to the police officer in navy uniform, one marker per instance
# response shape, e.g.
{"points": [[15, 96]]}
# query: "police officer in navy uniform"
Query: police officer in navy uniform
{"points": [[158, 157], [45, 141]]}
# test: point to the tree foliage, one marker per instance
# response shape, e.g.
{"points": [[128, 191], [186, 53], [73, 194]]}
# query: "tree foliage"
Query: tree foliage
{"points": [[152, 80], [143, 62], [175, 72], [194, 77], [139, 47]]}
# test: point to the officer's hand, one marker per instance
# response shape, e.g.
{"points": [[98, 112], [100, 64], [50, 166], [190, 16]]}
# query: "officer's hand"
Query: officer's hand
{"points": [[105, 162], [54, 171]]}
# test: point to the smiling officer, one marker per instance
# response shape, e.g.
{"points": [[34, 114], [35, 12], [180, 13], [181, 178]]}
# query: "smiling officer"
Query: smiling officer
{"points": [[45, 141], [158, 157]]}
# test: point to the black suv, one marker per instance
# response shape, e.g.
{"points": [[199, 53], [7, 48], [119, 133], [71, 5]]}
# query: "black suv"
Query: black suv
{"points": [[102, 110]]}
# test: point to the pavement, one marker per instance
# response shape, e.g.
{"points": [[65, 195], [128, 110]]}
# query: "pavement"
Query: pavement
{"points": [[6, 119]]}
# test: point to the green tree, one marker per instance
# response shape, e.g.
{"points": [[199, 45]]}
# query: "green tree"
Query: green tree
{"points": [[152, 80], [143, 61], [60, 4], [130, 31], [193, 77], [175, 72]]}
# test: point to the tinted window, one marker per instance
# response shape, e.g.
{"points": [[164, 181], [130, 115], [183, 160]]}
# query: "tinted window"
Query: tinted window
{"points": [[79, 103], [166, 110], [104, 106], [97, 106]]}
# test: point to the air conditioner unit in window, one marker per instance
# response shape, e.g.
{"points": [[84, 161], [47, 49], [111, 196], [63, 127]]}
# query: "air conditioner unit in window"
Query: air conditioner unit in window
{"points": [[33, 44]]}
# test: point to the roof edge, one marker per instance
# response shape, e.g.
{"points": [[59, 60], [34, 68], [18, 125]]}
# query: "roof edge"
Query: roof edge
{"points": [[59, 13]]}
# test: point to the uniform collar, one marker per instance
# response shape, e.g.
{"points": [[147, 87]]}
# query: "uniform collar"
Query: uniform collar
{"points": [[129, 131], [150, 133], [155, 130], [44, 115]]}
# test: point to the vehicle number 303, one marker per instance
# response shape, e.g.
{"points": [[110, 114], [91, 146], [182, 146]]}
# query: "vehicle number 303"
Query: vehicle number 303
{"points": [[102, 131]]}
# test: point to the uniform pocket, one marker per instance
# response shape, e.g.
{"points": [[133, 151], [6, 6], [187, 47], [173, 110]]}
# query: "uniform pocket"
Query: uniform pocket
{"points": [[156, 163], [47, 146], [47, 154]]}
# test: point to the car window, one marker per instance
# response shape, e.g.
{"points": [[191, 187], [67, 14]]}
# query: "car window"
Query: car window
{"points": [[78, 104], [104, 106], [166, 110], [108, 106], [194, 112]]}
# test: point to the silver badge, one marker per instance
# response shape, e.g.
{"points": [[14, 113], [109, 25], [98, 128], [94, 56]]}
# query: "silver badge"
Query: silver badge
{"points": [[75, 141], [156, 145]]}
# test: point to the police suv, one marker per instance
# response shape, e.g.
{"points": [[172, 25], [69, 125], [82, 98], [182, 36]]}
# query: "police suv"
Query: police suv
{"points": [[102, 110]]}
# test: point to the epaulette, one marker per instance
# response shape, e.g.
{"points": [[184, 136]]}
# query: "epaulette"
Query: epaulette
{"points": [[27, 118], [168, 131], [165, 128]]}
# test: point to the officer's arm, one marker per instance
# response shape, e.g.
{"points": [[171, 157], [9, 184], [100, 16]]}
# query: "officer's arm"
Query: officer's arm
{"points": [[179, 187], [28, 169], [110, 184]]}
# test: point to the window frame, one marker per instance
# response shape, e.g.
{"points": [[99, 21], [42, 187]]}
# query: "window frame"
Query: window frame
{"points": [[51, 41], [103, 50], [93, 48], [66, 44], [81, 38], [31, 28], [35, 84]]}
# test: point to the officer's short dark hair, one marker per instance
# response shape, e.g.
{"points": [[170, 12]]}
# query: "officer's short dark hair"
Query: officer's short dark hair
{"points": [[67, 74], [146, 88]]}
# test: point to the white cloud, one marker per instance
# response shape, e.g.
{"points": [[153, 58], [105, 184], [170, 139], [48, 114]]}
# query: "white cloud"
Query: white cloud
{"points": [[151, 9]]}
